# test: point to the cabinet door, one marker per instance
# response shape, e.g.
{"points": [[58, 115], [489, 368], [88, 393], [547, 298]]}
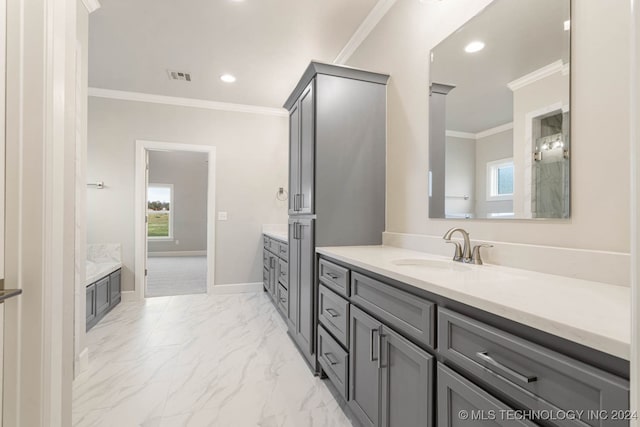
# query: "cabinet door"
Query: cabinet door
{"points": [[114, 287], [307, 150], [306, 324], [91, 305], [294, 158], [294, 276], [406, 382], [102, 296], [272, 275], [364, 374]]}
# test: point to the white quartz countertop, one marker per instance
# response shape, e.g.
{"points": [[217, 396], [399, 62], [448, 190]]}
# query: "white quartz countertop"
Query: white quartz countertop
{"points": [[593, 314], [98, 270], [278, 235]]}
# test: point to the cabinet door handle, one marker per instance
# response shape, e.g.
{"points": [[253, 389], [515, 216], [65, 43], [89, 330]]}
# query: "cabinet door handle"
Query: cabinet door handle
{"points": [[332, 275], [329, 357], [371, 346], [332, 312], [301, 201], [525, 379]]}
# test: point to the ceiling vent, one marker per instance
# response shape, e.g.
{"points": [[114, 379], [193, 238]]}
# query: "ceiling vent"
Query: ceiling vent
{"points": [[179, 75]]}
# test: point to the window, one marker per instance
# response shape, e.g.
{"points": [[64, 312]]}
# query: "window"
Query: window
{"points": [[159, 211], [500, 180]]}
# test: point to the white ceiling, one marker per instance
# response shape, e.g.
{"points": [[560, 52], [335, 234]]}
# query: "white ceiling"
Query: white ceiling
{"points": [[266, 44], [520, 36]]}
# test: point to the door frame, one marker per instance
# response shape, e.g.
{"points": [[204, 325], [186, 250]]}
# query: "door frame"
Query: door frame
{"points": [[140, 201]]}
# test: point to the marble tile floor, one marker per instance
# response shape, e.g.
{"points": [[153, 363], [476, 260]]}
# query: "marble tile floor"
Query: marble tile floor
{"points": [[199, 360]]}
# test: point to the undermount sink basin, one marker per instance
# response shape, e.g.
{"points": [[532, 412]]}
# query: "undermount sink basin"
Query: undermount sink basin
{"points": [[431, 263]]}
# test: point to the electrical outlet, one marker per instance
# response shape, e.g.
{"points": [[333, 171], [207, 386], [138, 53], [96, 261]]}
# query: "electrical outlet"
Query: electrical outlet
{"points": [[222, 216]]}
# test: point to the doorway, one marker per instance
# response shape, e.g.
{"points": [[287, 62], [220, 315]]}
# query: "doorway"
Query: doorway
{"points": [[175, 197]]}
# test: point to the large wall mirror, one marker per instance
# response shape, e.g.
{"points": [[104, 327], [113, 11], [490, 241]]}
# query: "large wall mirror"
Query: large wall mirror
{"points": [[499, 140]]}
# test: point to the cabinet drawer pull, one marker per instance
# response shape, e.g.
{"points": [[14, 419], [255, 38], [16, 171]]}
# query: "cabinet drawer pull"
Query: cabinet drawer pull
{"points": [[372, 357], [333, 276], [332, 312], [329, 357], [283, 300], [380, 343], [525, 379]]}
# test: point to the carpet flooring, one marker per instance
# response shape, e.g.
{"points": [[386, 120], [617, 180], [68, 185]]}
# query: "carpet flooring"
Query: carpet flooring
{"points": [[169, 276]]}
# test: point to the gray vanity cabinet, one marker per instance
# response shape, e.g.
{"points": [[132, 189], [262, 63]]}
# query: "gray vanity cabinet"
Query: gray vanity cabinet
{"points": [[391, 378], [301, 284], [102, 296], [275, 272], [115, 289]]}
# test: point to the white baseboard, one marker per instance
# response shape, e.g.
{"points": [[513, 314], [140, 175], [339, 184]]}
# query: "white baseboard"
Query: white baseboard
{"points": [[237, 288], [177, 253], [598, 266], [129, 296]]}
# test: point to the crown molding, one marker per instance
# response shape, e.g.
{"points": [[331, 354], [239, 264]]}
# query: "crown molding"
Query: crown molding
{"points": [[493, 131], [91, 5], [485, 133], [373, 18], [185, 102], [539, 74]]}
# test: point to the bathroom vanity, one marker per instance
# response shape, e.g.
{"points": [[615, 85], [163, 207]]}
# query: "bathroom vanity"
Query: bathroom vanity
{"points": [[103, 279], [275, 270], [410, 339]]}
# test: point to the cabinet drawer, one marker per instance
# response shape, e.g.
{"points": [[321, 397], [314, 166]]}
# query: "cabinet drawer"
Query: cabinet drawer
{"points": [[533, 376], [283, 251], [403, 311], [274, 245], [333, 313], [265, 259], [266, 241], [283, 299], [458, 396], [283, 273], [334, 277], [334, 361]]}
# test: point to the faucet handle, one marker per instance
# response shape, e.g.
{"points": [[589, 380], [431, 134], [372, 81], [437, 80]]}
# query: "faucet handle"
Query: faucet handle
{"points": [[458, 254], [475, 257]]}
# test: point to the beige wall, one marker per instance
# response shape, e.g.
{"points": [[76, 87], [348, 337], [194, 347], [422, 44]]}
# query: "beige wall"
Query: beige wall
{"points": [[400, 45], [251, 163]]}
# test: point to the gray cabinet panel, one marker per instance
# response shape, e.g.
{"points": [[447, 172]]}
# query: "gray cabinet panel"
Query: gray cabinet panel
{"points": [[407, 382], [283, 300], [265, 278], [307, 150], [265, 242], [334, 361], [283, 251], [407, 313], [293, 277], [529, 374], [283, 272], [305, 331], [115, 287], [91, 306], [364, 375], [294, 158], [333, 313], [102, 296], [458, 396], [334, 277]]}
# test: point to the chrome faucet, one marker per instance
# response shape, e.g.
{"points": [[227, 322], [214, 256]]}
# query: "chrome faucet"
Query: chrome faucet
{"points": [[465, 254]]}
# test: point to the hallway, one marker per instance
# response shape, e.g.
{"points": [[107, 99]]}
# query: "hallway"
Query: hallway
{"points": [[180, 275], [198, 360]]}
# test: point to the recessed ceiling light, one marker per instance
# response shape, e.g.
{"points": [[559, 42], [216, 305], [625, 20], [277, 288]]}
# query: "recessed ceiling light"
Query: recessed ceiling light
{"points": [[474, 47], [227, 78], [567, 25]]}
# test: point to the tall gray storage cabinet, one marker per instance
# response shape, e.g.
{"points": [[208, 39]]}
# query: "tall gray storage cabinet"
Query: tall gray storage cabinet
{"points": [[337, 159]]}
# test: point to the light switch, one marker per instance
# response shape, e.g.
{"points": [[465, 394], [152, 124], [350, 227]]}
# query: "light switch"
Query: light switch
{"points": [[222, 216]]}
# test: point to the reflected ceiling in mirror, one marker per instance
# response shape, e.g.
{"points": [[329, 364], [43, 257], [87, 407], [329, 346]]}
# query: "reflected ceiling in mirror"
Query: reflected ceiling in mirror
{"points": [[499, 114]]}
